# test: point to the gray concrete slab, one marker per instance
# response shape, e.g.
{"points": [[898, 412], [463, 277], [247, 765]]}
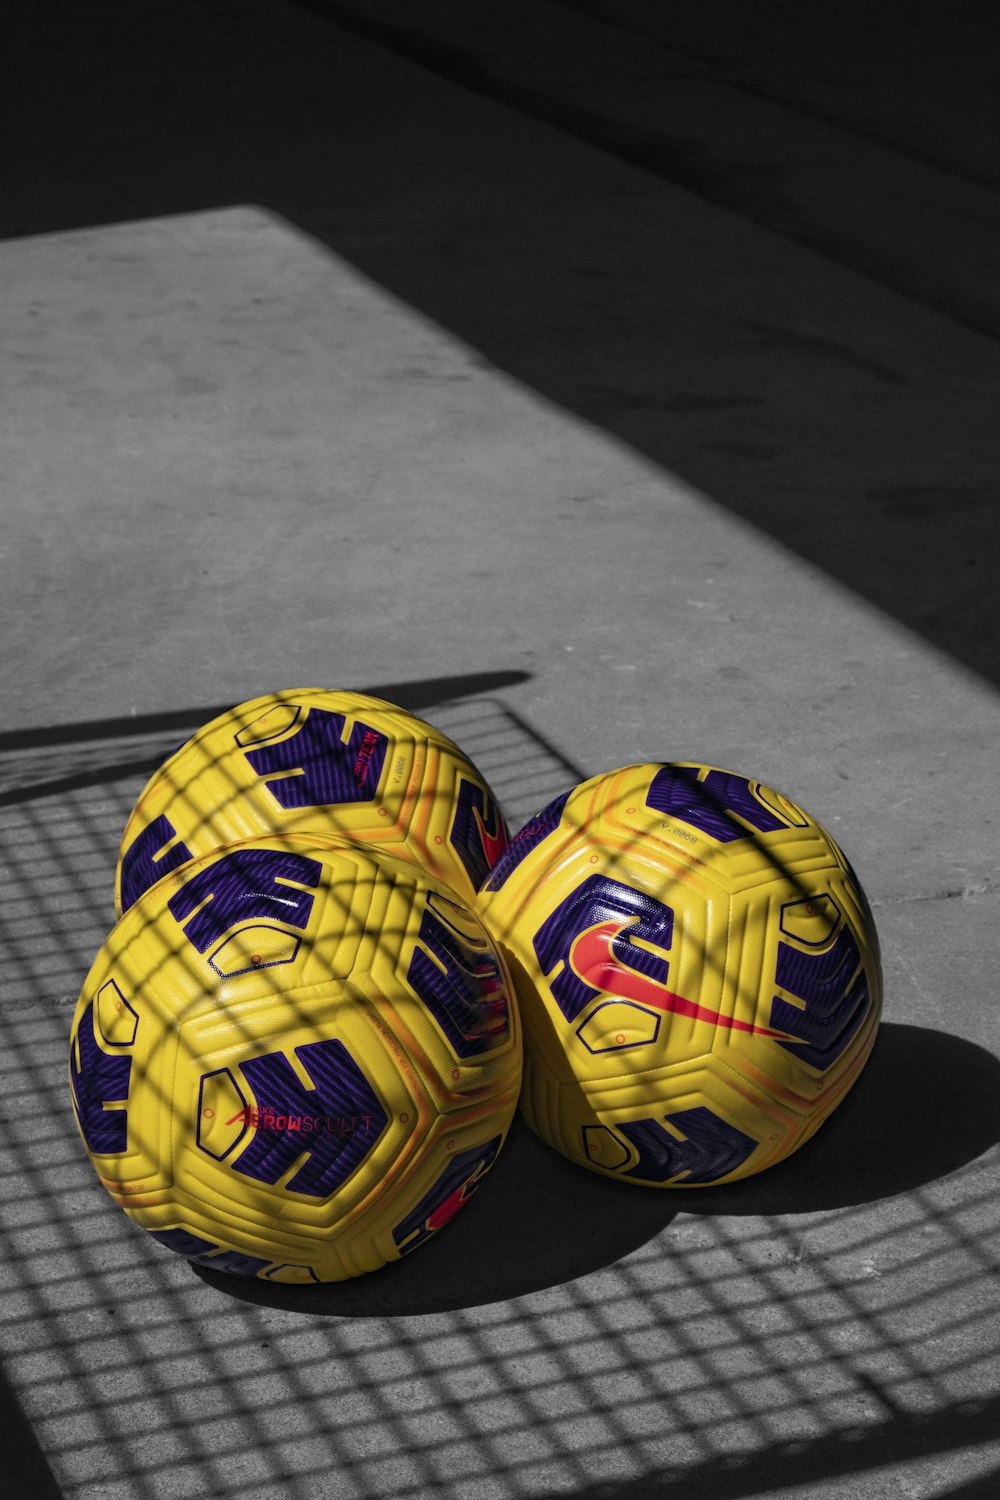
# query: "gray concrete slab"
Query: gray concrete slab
{"points": [[320, 368]]}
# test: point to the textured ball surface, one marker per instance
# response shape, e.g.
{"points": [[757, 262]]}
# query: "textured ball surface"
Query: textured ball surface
{"points": [[295, 1060], [697, 972], [313, 760]]}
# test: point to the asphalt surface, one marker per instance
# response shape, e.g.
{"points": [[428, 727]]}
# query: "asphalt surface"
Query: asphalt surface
{"points": [[607, 384]]}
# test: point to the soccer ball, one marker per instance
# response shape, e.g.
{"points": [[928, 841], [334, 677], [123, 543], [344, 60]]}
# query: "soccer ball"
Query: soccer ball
{"points": [[697, 972], [295, 1059], [325, 762]]}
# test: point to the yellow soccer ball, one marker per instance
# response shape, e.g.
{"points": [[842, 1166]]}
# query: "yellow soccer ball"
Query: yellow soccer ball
{"points": [[697, 971], [295, 1059], [313, 760]]}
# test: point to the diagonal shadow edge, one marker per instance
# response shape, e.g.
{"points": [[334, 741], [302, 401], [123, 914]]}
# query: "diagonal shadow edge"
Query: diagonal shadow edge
{"points": [[900, 575], [412, 694]]}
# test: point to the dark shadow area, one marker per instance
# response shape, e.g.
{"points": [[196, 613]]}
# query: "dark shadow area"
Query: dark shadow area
{"points": [[719, 47], [25, 1465], [536, 1221], [871, 451], [910, 103], [984, 1488], [925, 1105], [540, 1221], [975, 1489], [899, 1439]]}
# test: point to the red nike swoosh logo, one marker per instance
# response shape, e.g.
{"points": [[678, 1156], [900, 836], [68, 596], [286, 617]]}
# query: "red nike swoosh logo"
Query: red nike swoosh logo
{"points": [[493, 845], [593, 958]]}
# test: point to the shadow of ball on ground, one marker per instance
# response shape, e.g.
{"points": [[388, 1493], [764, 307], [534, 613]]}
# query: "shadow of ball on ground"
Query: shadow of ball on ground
{"points": [[925, 1105], [535, 1221]]}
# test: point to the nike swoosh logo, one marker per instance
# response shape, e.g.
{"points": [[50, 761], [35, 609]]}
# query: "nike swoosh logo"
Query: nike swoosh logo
{"points": [[593, 959], [493, 846]]}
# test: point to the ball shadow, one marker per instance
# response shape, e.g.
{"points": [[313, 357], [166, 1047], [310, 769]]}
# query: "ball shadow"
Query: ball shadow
{"points": [[926, 1104], [536, 1221]]}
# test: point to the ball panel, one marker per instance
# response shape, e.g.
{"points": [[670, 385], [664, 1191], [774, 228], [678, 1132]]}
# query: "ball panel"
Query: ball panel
{"points": [[289, 1091], [329, 762], [661, 919]]}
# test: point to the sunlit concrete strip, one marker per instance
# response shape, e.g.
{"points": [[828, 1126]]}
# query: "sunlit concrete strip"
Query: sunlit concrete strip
{"points": [[233, 463]]}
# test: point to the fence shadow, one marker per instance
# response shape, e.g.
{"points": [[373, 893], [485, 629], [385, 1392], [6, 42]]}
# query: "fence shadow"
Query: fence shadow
{"points": [[900, 1438], [926, 1104]]}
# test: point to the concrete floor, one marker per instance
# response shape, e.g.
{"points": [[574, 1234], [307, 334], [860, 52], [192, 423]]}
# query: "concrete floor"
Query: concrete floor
{"points": [[608, 386]]}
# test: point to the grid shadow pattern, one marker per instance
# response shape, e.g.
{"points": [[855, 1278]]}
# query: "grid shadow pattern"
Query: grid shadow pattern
{"points": [[730, 1351]]}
